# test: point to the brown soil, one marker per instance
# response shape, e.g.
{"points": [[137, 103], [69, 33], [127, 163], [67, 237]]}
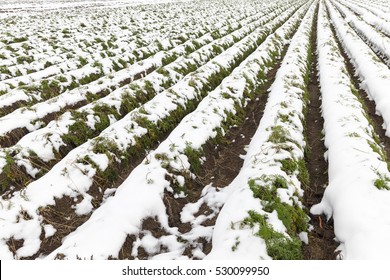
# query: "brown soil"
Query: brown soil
{"points": [[224, 162], [14, 244], [222, 165], [376, 120], [321, 239], [8, 109], [12, 137], [63, 218]]}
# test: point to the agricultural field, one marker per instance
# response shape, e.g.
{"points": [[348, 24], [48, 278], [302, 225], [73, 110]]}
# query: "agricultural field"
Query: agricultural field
{"points": [[226, 129]]}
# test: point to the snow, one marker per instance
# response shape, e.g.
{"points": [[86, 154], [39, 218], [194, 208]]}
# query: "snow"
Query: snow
{"points": [[369, 17], [144, 36], [376, 39], [49, 230], [372, 72], [148, 181], [231, 238], [351, 199]]}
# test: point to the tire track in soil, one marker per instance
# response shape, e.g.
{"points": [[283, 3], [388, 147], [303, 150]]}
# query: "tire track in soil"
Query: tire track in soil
{"points": [[321, 244]]}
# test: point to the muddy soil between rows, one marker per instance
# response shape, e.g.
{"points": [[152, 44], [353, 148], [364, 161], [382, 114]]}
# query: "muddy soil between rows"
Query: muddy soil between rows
{"points": [[322, 245]]}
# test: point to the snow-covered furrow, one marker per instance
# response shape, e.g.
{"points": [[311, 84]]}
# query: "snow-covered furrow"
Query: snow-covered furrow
{"points": [[74, 128], [35, 59], [357, 197], [78, 169], [37, 87], [369, 17], [376, 40], [63, 75], [263, 216], [10, 67], [379, 3], [24, 72], [100, 38], [373, 74]]}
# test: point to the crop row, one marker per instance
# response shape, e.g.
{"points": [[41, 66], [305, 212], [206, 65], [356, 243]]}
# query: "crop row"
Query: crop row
{"points": [[373, 73], [104, 155], [358, 170], [272, 223], [33, 88], [175, 163], [375, 39], [101, 33], [29, 120], [374, 20], [74, 128], [379, 9]]}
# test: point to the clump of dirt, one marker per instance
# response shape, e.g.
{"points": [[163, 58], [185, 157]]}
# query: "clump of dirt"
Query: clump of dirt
{"points": [[63, 218], [14, 244]]}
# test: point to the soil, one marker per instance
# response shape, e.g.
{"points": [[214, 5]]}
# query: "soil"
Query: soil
{"points": [[222, 165], [14, 244], [321, 239]]}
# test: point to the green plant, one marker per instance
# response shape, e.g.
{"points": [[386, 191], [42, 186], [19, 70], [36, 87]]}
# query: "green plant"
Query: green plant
{"points": [[83, 61], [236, 243], [194, 156], [4, 70], [265, 188], [22, 59], [279, 135], [289, 165], [382, 182], [19, 39], [50, 89], [279, 246]]}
